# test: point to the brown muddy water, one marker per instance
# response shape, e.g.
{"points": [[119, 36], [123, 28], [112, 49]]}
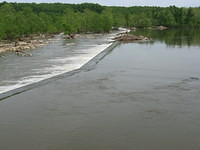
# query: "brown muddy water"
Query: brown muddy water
{"points": [[141, 96]]}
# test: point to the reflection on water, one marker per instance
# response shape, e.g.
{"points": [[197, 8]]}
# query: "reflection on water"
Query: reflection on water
{"points": [[173, 37]]}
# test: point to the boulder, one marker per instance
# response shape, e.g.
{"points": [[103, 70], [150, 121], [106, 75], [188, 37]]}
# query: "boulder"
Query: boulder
{"points": [[161, 28], [70, 36], [22, 43], [130, 37]]}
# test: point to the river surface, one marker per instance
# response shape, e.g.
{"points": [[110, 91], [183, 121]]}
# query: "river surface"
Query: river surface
{"points": [[141, 96]]}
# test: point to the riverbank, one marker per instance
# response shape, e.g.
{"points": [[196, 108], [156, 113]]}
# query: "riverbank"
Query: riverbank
{"points": [[21, 45], [27, 43], [125, 37]]}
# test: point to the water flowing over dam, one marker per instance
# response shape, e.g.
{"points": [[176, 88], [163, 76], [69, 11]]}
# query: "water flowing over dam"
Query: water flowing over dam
{"points": [[58, 57]]}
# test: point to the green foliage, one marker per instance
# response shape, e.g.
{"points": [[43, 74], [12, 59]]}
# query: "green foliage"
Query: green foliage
{"points": [[189, 18], [165, 17], [107, 20], [23, 19], [140, 20]]}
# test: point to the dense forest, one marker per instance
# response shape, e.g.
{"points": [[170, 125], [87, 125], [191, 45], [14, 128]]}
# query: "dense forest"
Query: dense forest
{"points": [[23, 19]]}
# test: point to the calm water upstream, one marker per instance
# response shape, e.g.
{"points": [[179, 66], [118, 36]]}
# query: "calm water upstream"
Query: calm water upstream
{"points": [[141, 96]]}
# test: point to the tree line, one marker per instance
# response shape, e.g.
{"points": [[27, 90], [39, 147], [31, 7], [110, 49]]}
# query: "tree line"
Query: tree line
{"points": [[24, 19]]}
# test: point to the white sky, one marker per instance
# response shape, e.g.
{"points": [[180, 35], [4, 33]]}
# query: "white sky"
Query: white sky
{"points": [[180, 3]]}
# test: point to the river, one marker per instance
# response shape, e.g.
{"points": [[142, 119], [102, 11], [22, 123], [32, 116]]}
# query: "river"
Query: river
{"points": [[140, 96]]}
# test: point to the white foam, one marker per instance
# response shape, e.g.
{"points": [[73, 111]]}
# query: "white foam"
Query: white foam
{"points": [[70, 44]]}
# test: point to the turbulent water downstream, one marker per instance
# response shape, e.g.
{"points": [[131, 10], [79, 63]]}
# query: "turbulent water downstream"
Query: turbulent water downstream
{"points": [[58, 57]]}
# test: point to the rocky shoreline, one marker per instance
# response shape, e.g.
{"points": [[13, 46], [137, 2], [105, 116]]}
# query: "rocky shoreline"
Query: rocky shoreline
{"points": [[158, 28], [126, 37], [27, 43], [21, 45]]}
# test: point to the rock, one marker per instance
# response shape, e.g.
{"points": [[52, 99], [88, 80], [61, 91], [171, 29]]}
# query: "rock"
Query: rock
{"points": [[133, 28], [130, 37], [157, 28], [26, 47], [22, 53], [194, 78], [13, 49], [25, 43], [40, 41], [21, 43], [32, 46], [33, 41], [161, 28], [70, 36], [67, 37], [42, 35], [146, 38]]}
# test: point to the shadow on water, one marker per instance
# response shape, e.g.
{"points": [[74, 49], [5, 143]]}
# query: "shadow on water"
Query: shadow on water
{"points": [[173, 37]]}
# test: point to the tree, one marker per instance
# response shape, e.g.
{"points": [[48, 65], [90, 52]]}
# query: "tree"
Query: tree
{"points": [[189, 17], [9, 29], [140, 20], [107, 20], [24, 19], [166, 18]]}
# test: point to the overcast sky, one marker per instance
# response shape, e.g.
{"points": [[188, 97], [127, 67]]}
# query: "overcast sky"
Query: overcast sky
{"points": [[180, 3]]}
